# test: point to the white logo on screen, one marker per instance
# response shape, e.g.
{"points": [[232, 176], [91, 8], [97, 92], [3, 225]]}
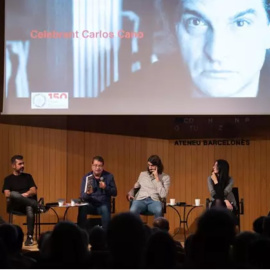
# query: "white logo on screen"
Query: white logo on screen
{"points": [[39, 100]]}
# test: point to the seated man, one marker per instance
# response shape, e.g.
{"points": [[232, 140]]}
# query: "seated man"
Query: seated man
{"points": [[21, 193], [97, 188], [153, 186]]}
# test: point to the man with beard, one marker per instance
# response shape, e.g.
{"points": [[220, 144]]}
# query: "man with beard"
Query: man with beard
{"points": [[152, 187], [21, 193]]}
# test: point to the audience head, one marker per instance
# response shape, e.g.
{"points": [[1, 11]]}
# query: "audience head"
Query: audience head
{"points": [[67, 244], [20, 235], [97, 239], [161, 223], [217, 224], [161, 251], [209, 247], [240, 248], [266, 226], [9, 236], [126, 240], [258, 225], [44, 244]]}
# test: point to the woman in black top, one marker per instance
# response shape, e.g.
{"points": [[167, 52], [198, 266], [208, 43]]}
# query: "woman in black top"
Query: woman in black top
{"points": [[220, 185]]}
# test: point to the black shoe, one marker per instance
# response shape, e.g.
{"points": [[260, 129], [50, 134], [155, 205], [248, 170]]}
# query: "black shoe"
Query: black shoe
{"points": [[29, 241]]}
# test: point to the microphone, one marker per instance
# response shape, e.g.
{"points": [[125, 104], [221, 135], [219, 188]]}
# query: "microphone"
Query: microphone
{"points": [[101, 180]]}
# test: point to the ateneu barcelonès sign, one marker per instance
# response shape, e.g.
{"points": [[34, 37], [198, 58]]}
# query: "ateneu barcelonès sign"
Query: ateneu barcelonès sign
{"points": [[230, 142]]}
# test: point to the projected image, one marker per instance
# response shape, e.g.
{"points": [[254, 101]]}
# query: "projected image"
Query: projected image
{"points": [[137, 57], [223, 45], [80, 46]]}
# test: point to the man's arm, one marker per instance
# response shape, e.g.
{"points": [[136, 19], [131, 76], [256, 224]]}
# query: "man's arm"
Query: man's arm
{"points": [[111, 189], [131, 193], [30, 193], [163, 186]]}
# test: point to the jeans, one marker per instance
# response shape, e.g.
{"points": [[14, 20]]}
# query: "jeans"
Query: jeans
{"points": [[147, 205], [103, 210], [26, 206]]}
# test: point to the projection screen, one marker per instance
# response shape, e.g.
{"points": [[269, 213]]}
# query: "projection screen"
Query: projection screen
{"points": [[137, 57]]}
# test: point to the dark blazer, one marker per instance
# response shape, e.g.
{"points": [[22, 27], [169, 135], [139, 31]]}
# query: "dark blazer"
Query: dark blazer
{"points": [[99, 196]]}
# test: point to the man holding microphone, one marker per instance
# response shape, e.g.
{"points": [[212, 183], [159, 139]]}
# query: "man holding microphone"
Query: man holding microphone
{"points": [[96, 189]]}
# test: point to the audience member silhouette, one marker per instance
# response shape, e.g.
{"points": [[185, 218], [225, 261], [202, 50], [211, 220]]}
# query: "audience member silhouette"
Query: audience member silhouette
{"points": [[266, 226], [68, 246], [163, 224], [12, 237], [240, 248], [99, 254], [258, 225], [209, 247], [97, 239], [259, 253], [161, 251], [129, 243], [126, 241], [3, 256]]}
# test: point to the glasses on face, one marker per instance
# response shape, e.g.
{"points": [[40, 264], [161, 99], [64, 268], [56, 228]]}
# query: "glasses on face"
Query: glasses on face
{"points": [[97, 166]]}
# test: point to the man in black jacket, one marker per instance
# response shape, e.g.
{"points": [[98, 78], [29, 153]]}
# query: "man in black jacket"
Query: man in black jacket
{"points": [[96, 189]]}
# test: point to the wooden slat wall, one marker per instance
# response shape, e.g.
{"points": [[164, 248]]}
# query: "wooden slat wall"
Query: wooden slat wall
{"points": [[58, 159]]}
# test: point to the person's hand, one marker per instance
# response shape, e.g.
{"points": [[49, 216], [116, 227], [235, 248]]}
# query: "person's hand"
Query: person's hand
{"points": [[155, 173], [214, 178], [228, 205], [129, 197], [25, 194], [102, 184]]}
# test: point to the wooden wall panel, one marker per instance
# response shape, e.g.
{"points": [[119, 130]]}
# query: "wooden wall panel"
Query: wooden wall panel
{"points": [[58, 159]]}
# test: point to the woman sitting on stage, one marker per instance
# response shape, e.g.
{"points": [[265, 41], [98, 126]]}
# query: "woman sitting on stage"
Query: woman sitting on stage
{"points": [[220, 185]]}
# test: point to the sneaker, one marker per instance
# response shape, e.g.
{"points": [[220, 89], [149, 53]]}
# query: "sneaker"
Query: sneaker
{"points": [[29, 241]]}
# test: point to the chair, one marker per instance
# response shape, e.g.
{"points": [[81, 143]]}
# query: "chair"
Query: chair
{"points": [[12, 212], [239, 203]]}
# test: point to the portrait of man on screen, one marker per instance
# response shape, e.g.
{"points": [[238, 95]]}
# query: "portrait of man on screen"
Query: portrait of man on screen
{"points": [[223, 45]]}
